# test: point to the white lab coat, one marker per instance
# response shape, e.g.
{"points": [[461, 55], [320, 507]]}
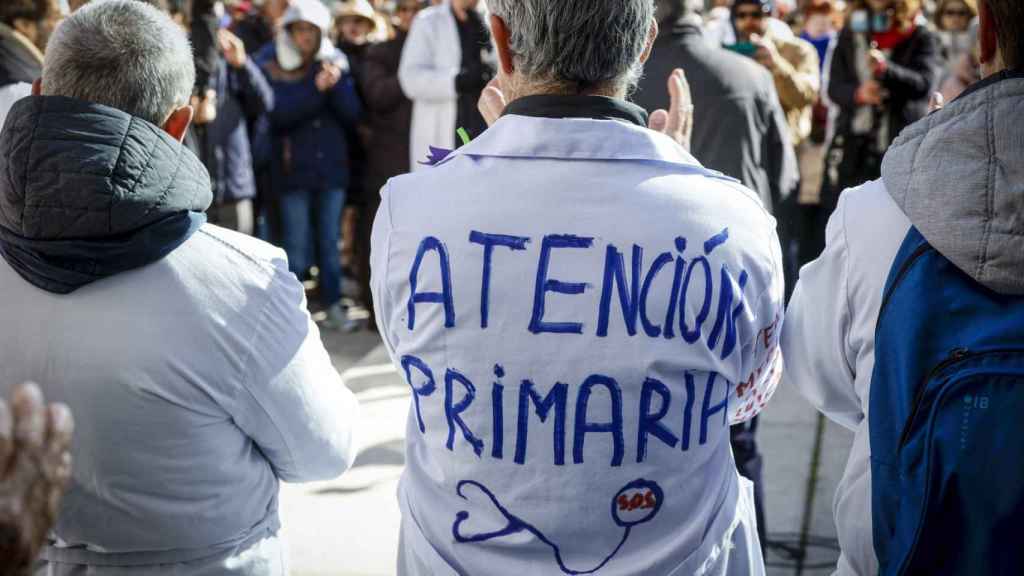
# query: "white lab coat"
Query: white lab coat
{"points": [[9, 95], [431, 59], [829, 345], [525, 435]]}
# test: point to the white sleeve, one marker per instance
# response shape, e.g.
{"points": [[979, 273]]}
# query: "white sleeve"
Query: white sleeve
{"points": [[762, 357], [819, 362], [380, 250], [292, 402], [419, 73]]}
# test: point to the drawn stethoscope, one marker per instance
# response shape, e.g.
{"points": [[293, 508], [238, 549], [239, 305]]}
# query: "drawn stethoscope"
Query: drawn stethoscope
{"points": [[648, 492]]}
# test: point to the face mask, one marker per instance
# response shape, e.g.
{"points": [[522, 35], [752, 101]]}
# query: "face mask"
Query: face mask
{"points": [[859, 21], [881, 22]]}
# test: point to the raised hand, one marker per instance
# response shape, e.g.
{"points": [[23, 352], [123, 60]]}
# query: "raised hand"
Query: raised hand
{"points": [[492, 102], [677, 121], [328, 77], [35, 466], [232, 47]]}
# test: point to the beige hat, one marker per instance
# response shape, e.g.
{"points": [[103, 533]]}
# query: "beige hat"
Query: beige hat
{"points": [[357, 8]]}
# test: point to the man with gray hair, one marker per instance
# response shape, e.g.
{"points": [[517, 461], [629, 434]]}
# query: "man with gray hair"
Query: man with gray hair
{"points": [[197, 378], [580, 309]]}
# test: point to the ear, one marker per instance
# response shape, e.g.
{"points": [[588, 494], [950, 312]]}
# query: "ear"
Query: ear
{"points": [[987, 37], [652, 35], [499, 30], [37, 87], [177, 123]]}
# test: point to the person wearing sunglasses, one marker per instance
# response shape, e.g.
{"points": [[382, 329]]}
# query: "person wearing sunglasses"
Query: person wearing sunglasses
{"points": [[953, 22]]}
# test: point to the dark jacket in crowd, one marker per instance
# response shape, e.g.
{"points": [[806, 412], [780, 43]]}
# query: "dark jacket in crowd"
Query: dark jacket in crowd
{"points": [[243, 95], [254, 32], [311, 130], [909, 79], [863, 134], [739, 127], [17, 64], [389, 111], [58, 229]]}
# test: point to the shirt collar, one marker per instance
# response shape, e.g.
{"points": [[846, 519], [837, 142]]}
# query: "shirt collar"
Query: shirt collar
{"points": [[525, 137], [594, 107]]}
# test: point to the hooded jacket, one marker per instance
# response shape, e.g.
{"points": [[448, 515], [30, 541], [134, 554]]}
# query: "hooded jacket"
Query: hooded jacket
{"points": [[87, 191], [196, 377], [958, 176], [312, 131]]}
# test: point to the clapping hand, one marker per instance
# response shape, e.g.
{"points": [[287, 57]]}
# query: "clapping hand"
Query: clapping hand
{"points": [[328, 77], [233, 48], [677, 121], [35, 466]]}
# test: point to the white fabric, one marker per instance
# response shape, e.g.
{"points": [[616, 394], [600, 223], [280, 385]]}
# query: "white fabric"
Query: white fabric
{"points": [[314, 12], [197, 383], [431, 59], [558, 479], [9, 95], [829, 345]]}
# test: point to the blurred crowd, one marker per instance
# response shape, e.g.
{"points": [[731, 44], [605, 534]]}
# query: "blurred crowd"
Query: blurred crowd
{"points": [[304, 109]]}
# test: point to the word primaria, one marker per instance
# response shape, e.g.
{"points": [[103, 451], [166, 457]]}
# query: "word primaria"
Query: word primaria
{"points": [[658, 418], [632, 283]]}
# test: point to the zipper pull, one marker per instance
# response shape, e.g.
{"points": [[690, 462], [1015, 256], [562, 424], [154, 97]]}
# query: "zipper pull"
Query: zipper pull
{"points": [[959, 354]]}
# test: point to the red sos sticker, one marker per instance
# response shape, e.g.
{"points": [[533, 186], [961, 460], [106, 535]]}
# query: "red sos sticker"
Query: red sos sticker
{"points": [[636, 503]]}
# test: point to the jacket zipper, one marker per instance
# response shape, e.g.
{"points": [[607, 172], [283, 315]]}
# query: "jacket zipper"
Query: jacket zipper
{"points": [[955, 356], [904, 270]]}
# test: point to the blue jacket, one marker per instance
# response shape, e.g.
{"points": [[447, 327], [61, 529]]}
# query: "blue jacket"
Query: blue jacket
{"points": [[311, 130], [243, 94]]}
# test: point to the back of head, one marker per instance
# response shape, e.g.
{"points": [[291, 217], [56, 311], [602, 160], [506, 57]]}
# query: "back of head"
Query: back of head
{"points": [[577, 46], [1008, 17], [124, 54]]}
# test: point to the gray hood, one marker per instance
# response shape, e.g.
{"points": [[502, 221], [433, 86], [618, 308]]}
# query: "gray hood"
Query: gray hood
{"points": [[958, 175]]}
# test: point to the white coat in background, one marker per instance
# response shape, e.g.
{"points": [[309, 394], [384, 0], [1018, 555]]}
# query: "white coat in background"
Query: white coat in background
{"points": [[561, 420], [431, 59], [9, 95], [947, 191]]}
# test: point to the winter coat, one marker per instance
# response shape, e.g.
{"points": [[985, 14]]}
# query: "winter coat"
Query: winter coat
{"points": [[243, 95], [910, 78], [196, 378], [389, 111], [938, 176], [739, 126], [311, 130], [797, 82]]}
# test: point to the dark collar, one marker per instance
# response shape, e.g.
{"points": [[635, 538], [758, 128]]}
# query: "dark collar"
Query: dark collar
{"points": [[596, 107], [999, 77]]}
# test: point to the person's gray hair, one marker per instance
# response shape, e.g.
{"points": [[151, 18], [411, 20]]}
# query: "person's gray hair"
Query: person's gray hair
{"points": [[123, 54], [578, 45]]}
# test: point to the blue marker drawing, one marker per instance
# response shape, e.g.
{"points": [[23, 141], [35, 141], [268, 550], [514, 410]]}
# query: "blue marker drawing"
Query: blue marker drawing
{"points": [[647, 498]]}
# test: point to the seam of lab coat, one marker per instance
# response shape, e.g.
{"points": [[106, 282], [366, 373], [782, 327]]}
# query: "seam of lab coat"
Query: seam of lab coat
{"points": [[851, 369], [245, 378]]}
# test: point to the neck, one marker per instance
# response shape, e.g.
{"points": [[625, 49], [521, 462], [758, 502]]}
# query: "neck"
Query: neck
{"points": [[993, 67], [521, 88]]}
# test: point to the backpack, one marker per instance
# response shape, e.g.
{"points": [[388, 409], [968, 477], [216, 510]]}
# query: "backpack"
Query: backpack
{"points": [[946, 421]]}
